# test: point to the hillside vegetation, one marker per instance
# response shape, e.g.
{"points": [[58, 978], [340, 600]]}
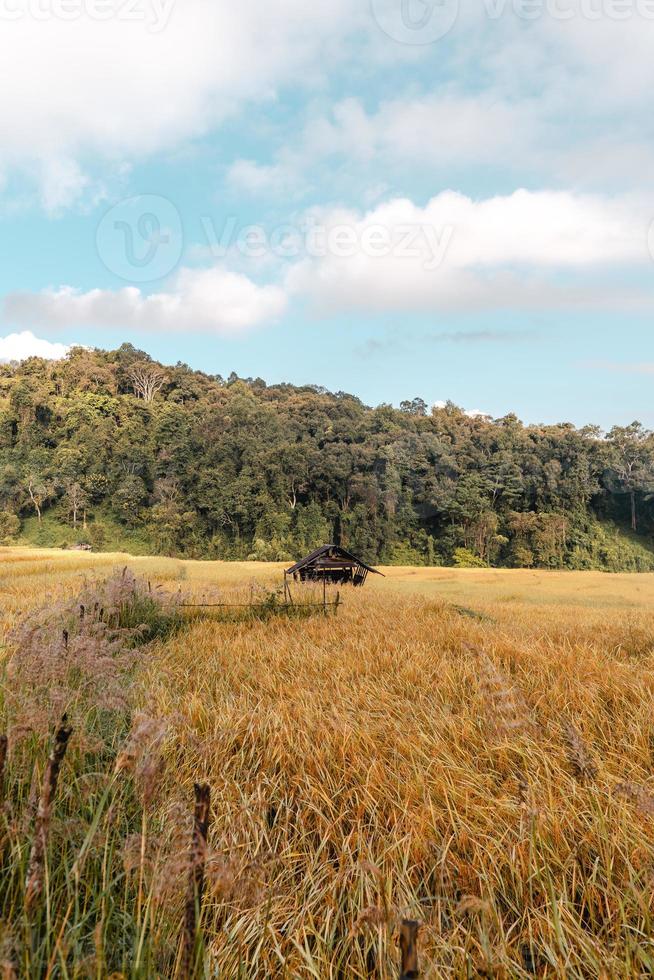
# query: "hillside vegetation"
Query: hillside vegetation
{"points": [[470, 748], [116, 450]]}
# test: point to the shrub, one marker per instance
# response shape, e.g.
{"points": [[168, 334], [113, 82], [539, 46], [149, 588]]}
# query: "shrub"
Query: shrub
{"points": [[464, 558], [273, 550], [9, 526], [521, 556], [97, 536], [403, 554]]}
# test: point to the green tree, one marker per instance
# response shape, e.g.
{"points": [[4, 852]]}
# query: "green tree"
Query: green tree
{"points": [[633, 461]]}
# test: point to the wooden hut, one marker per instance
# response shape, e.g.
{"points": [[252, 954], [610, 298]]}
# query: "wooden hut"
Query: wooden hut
{"points": [[333, 565]]}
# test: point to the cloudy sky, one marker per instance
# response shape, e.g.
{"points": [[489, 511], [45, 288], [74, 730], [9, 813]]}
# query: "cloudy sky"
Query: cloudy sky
{"points": [[444, 198]]}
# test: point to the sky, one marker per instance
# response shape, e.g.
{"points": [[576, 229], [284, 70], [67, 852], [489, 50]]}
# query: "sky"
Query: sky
{"points": [[450, 199]]}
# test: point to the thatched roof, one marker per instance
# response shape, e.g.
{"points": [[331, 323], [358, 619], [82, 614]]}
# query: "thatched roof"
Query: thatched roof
{"points": [[328, 554]]}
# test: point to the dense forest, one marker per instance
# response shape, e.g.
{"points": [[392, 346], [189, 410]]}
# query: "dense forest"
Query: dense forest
{"points": [[117, 451]]}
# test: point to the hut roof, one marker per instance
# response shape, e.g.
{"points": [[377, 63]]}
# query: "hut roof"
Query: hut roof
{"points": [[333, 551]]}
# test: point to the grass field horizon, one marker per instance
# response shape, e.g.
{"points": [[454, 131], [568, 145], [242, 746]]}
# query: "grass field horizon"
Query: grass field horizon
{"points": [[472, 748], [534, 585]]}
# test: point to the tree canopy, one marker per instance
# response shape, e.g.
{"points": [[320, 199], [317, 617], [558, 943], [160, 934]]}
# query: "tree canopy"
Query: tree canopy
{"points": [[110, 445]]}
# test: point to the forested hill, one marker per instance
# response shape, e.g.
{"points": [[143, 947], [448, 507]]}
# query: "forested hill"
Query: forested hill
{"points": [[116, 450]]}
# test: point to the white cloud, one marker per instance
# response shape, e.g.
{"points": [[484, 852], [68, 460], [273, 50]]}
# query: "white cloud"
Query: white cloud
{"points": [[546, 95], [205, 300], [450, 134], [527, 249], [433, 130], [121, 88], [18, 346], [622, 367], [255, 178], [62, 184], [472, 413]]}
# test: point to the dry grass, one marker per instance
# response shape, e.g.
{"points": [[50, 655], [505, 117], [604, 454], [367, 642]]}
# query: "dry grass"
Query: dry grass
{"points": [[489, 776]]}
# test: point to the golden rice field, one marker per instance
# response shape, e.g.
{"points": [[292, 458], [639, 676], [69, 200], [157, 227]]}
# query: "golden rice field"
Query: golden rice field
{"points": [[470, 748]]}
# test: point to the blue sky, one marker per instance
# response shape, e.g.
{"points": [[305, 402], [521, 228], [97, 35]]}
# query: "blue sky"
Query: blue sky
{"points": [[448, 199]]}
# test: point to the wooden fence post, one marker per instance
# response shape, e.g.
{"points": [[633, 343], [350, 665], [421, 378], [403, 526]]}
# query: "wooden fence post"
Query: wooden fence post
{"points": [[409, 949], [287, 592], [193, 908]]}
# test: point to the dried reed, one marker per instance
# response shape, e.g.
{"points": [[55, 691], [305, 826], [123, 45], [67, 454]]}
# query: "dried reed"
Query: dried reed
{"points": [[36, 865], [580, 757], [195, 889], [3, 761]]}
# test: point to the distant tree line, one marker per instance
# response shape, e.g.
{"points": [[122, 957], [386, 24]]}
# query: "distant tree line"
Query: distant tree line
{"points": [[110, 446]]}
